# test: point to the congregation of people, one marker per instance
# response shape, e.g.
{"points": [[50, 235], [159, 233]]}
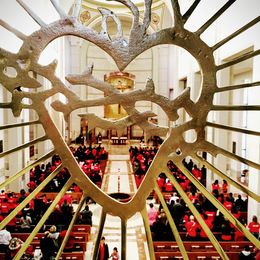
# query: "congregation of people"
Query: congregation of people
{"points": [[185, 221], [89, 160]]}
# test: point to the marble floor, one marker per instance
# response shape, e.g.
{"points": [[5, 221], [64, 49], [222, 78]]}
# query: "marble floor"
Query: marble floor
{"points": [[119, 178]]}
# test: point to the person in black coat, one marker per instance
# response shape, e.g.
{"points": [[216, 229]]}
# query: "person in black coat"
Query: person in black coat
{"points": [[103, 252], [48, 247]]}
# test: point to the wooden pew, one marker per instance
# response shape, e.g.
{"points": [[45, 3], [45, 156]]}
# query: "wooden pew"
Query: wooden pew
{"points": [[64, 256], [79, 246], [76, 196], [73, 256], [81, 228], [79, 236], [195, 255], [201, 246]]}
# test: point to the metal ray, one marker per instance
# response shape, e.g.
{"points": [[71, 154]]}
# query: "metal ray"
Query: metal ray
{"points": [[5, 105], [171, 222], [189, 12], [58, 8], [76, 8], [240, 86], [99, 235], [35, 231], [29, 197], [43, 138], [238, 60], [34, 16], [215, 17], [196, 214], [11, 29], [236, 33], [217, 150], [235, 108], [148, 233], [230, 128], [218, 205], [123, 238], [26, 169], [147, 15], [66, 238], [178, 22], [228, 179], [3, 127]]}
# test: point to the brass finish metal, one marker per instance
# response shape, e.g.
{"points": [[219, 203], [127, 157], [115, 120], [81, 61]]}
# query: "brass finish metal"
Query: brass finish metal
{"points": [[18, 148], [235, 129], [124, 51], [197, 215], [99, 235], [43, 219], [58, 8], [219, 206], [19, 124], [172, 224], [66, 238], [228, 179], [242, 29], [26, 169], [239, 59], [148, 233], [215, 16], [234, 87], [123, 239], [29, 197], [35, 17]]}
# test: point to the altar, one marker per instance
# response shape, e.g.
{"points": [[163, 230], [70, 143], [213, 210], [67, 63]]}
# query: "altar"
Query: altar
{"points": [[118, 140]]}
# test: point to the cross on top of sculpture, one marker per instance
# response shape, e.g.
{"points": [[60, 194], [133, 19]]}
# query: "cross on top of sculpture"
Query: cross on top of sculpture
{"points": [[123, 51]]}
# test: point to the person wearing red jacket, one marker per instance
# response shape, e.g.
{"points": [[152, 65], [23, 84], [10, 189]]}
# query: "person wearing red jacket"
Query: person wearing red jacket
{"points": [[191, 228], [196, 172], [168, 186], [208, 221], [228, 204], [224, 187], [215, 187], [254, 227], [160, 182], [5, 207]]}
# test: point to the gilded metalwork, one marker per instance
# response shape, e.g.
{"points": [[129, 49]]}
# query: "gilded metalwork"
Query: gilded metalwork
{"points": [[172, 224], [148, 233], [66, 238], [29, 197], [123, 51], [99, 235], [43, 219]]}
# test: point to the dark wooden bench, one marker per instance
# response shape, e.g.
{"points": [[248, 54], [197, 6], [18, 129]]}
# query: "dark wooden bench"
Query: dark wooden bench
{"points": [[195, 255], [73, 256], [81, 228], [76, 196], [79, 246], [201, 246], [79, 236]]}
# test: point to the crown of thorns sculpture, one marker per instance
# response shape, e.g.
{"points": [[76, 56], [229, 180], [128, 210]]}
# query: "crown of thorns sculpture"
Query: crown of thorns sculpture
{"points": [[123, 51]]}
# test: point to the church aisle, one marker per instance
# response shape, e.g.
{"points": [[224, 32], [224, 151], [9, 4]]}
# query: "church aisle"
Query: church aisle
{"points": [[119, 178]]}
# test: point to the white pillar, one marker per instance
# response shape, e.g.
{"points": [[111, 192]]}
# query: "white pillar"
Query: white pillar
{"points": [[253, 142]]}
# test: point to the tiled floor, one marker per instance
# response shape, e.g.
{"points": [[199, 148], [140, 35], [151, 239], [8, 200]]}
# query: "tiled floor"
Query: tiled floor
{"points": [[118, 177]]}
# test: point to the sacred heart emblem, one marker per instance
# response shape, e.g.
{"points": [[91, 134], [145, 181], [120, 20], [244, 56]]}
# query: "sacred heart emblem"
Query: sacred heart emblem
{"points": [[123, 51]]}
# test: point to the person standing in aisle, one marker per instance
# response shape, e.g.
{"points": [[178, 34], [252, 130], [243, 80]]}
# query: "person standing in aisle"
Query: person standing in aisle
{"points": [[103, 253]]}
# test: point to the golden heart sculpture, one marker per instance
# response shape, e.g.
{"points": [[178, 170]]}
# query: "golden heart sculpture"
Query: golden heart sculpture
{"points": [[123, 51]]}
